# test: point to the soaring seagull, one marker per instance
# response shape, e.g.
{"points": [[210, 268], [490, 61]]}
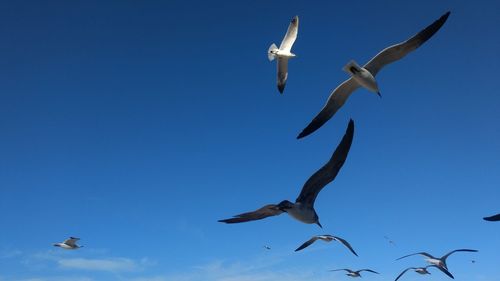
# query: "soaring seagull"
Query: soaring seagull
{"points": [[439, 262], [69, 244], [303, 208], [423, 270], [365, 76], [493, 218], [353, 273], [326, 238], [283, 53]]}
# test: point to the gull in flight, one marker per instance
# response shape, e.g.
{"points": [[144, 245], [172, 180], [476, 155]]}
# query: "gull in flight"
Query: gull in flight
{"points": [[283, 53], [267, 247], [493, 218], [326, 238], [423, 271], [353, 273], [69, 244], [439, 262], [303, 208], [365, 76]]}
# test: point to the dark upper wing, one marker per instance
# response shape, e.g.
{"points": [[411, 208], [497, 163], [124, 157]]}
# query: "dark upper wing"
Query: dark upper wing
{"points": [[369, 270], [329, 171], [493, 218], [442, 270], [404, 271], [336, 100], [459, 250], [345, 269], [343, 241], [262, 213], [307, 243], [396, 52], [420, 253], [282, 73], [71, 241]]}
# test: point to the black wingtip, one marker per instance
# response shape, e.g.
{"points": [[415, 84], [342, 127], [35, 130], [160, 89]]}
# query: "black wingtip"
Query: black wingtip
{"points": [[281, 88]]}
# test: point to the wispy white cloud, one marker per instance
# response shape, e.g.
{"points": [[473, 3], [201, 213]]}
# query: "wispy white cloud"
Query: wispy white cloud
{"points": [[107, 264]]}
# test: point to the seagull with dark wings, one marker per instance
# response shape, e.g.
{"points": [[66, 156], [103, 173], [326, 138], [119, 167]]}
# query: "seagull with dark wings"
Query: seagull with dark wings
{"points": [[439, 262], [303, 208], [355, 273], [365, 76], [423, 271], [326, 238], [69, 244]]}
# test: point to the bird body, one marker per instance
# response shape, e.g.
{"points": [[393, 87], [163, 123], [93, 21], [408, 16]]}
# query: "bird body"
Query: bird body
{"points": [[355, 273], [69, 244], [362, 76]]}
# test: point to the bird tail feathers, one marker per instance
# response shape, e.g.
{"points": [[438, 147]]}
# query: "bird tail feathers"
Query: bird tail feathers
{"points": [[271, 52]]}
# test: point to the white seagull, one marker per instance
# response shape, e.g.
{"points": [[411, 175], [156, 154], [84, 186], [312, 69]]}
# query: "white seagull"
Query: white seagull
{"points": [[283, 53], [303, 208], [326, 238], [439, 262], [353, 273], [69, 244], [365, 76], [423, 270], [493, 218]]}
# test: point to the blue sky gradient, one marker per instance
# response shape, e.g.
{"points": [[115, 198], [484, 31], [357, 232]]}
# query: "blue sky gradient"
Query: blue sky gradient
{"points": [[136, 125]]}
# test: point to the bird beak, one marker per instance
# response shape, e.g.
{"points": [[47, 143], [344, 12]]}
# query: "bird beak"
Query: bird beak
{"points": [[319, 224]]}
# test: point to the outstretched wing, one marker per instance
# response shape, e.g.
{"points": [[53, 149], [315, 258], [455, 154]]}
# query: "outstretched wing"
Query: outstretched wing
{"points": [[398, 51], [336, 100], [345, 269], [343, 241], [262, 213], [329, 171], [71, 241], [307, 243], [420, 253], [291, 35], [442, 270], [369, 270], [403, 272], [282, 73], [459, 250], [493, 218]]}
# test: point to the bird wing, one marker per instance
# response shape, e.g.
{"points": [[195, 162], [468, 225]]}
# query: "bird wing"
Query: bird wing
{"points": [[493, 218], [291, 35], [443, 258], [420, 253], [71, 241], [343, 241], [282, 73], [345, 269], [398, 51], [262, 213], [307, 243], [369, 270], [336, 100], [442, 270], [329, 171], [403, 272]]}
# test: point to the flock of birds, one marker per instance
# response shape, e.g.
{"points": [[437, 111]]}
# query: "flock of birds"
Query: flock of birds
{"points": [[303, 207]]}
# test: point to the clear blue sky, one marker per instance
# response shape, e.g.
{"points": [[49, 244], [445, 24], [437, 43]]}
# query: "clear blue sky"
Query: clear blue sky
{"points": [[136, 125]]}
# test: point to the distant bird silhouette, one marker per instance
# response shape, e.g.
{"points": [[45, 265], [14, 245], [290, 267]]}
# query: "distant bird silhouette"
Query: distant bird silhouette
{"points": [[353, 273], [365, 76], [283, 53], [326, 238], [303, 208], [492, 218], [69, 244], [267, 247], [423, 270]]}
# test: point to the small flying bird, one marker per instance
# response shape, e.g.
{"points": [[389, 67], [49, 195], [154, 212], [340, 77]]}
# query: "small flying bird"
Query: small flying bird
{"points": [[283, 53], [390, 241], [492, 218], [353, 273], [267, 247], [423, 270], [365, 76], [326, 238], [439, 262], [303, 208], [69, 244]]}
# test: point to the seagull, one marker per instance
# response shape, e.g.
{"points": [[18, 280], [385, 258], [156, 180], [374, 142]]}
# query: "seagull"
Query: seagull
{"points": [[267, 247], [303, 208], [439, 262], [390, 241], [365, 76], [283, 53], [493, 218], [69, 244], [423, 270], [356, 273], [326, 238]]}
